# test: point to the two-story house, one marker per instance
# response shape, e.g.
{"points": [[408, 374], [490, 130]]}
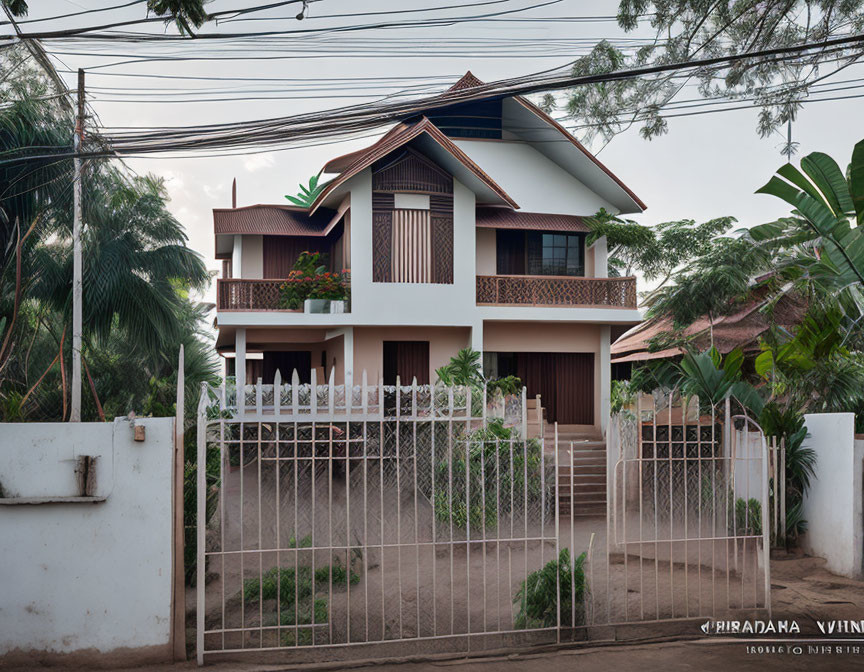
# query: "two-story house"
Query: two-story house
{"points": [[463, 226]]}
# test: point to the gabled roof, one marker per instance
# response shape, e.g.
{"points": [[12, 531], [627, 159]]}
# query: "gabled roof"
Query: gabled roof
{"points": [[504, 218], [403, 133], [467, 81], [272, 220]]}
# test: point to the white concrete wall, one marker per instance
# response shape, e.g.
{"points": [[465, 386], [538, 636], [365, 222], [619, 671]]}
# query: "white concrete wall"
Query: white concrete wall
{"points": [[536, 183], [86, 579], [252, 252], [833, 504], [394, 303]]}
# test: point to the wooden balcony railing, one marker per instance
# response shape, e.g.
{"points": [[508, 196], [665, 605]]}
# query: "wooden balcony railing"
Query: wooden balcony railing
{"points": [[555, 290], [240, 294]]}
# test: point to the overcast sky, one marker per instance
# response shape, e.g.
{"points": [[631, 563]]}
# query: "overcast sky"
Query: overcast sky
{"points": [[706, 166]]}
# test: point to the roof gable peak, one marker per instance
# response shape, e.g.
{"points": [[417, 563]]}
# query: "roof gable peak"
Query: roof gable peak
{"points": [[467, 81]]}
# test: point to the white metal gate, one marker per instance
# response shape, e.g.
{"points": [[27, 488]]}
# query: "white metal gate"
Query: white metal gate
{"points": [[386, 520], [689, 518]]}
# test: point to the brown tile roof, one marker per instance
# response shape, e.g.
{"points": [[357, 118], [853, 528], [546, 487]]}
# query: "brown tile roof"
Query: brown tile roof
{"points": [[271, 220], [741, 328], [400, 135], [503, 218]]}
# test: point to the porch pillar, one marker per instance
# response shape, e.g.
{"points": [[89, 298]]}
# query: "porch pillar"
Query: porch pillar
{"points": [[240, 362], [605, 376], [477, 337], [348, 357]]}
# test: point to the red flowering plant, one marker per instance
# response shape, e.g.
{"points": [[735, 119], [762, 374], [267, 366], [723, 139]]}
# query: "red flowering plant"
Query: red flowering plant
{"points": [[310, 280]]}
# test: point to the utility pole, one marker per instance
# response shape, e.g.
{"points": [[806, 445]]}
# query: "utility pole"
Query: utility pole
{"points": [[75, 415]]}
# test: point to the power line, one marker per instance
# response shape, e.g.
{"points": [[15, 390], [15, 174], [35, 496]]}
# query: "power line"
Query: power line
{"points": [[92, 31], [356, 118]]}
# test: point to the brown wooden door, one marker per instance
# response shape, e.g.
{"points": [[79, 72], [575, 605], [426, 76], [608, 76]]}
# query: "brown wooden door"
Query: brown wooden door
{"points": [[564, 381], [286, 363], [406, 359]]}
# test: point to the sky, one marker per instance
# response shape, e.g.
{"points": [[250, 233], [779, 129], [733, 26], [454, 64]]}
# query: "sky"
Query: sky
{"points": [[706, 165]]}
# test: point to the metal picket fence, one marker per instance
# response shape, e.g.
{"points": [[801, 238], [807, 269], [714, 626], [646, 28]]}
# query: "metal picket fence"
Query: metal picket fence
{"points": [[376, 521], [371, 516]]}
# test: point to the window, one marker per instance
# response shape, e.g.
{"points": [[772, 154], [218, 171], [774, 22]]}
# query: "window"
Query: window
{"points": [[540, 253], [556, 254]]}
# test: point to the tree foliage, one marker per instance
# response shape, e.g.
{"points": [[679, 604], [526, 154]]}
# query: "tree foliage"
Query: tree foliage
{"points": [[655, 251], [186, 14], [138, 274], [686, 30]]}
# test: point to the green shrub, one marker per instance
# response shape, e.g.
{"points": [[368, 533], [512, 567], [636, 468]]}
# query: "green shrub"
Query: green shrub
{"points": [[476, 468], [507, 385], [748, 516], [288, 582], [536, 602]]}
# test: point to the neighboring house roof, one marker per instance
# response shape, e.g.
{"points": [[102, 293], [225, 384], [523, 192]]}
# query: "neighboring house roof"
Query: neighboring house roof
{"points": [[271, 220], [740, 329], [504, 218], [403, 133]]}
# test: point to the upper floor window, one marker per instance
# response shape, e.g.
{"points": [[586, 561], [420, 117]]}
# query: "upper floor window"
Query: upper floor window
{"points": [[556, 254], [540, 253]]}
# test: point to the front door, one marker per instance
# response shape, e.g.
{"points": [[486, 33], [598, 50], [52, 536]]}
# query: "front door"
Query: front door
{"points": [[408, 360], [564, 381], [286, 363]]}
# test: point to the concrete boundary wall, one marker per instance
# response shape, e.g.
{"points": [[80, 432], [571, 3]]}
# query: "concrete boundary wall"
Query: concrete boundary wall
{"points": [[833, 504], [86, 582]]}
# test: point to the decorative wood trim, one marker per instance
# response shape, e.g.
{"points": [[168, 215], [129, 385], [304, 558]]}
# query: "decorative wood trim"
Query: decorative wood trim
{"points": [[412, 172], [555, 290]]}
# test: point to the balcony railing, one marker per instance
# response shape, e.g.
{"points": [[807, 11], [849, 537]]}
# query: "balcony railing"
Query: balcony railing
{"points": [[240, 294], [555, 290]]}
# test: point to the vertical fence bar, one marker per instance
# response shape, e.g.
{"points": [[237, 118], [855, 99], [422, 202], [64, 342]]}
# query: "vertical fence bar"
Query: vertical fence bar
{"points": [[201, 520], [557, 538], [783, 526], [414, 448], [468, 518], [766, 542]]}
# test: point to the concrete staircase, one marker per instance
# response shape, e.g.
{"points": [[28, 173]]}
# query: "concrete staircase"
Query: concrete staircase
{"points": [[581, 472]]}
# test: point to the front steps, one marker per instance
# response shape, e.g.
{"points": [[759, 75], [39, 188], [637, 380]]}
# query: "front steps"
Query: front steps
{"points": [[581, 474]]}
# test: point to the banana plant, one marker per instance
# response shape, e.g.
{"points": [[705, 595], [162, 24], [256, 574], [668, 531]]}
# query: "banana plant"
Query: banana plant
{"points": [[826, 222]]}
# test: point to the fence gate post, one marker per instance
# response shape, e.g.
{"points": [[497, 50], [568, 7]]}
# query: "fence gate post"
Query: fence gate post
{"points": [[201, 522]]}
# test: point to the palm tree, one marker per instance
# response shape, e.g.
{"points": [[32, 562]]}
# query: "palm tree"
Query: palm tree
{"points": [[135, 261]]}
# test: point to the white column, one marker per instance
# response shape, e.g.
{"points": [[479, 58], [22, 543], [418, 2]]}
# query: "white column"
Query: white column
{"points": [[348, 357], [477, 337], [601, 266], [237, 257], [605, 375], [240, 360]]}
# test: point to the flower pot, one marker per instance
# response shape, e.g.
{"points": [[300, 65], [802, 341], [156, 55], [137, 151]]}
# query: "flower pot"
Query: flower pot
{"points": [[316, 306], [337, 306]]}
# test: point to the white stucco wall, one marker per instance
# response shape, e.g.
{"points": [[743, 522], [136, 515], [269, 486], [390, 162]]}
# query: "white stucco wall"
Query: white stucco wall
{"points": [[88, 577], [536, 183], [393, 303], [833, 504], [252, 252]]}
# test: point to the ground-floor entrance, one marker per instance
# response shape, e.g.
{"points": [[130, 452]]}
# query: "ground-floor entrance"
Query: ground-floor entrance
{"points": [[564, 381]]}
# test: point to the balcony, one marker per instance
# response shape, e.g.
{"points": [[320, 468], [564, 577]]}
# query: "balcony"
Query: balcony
{"points": [[555, 290], [240, 294]]}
